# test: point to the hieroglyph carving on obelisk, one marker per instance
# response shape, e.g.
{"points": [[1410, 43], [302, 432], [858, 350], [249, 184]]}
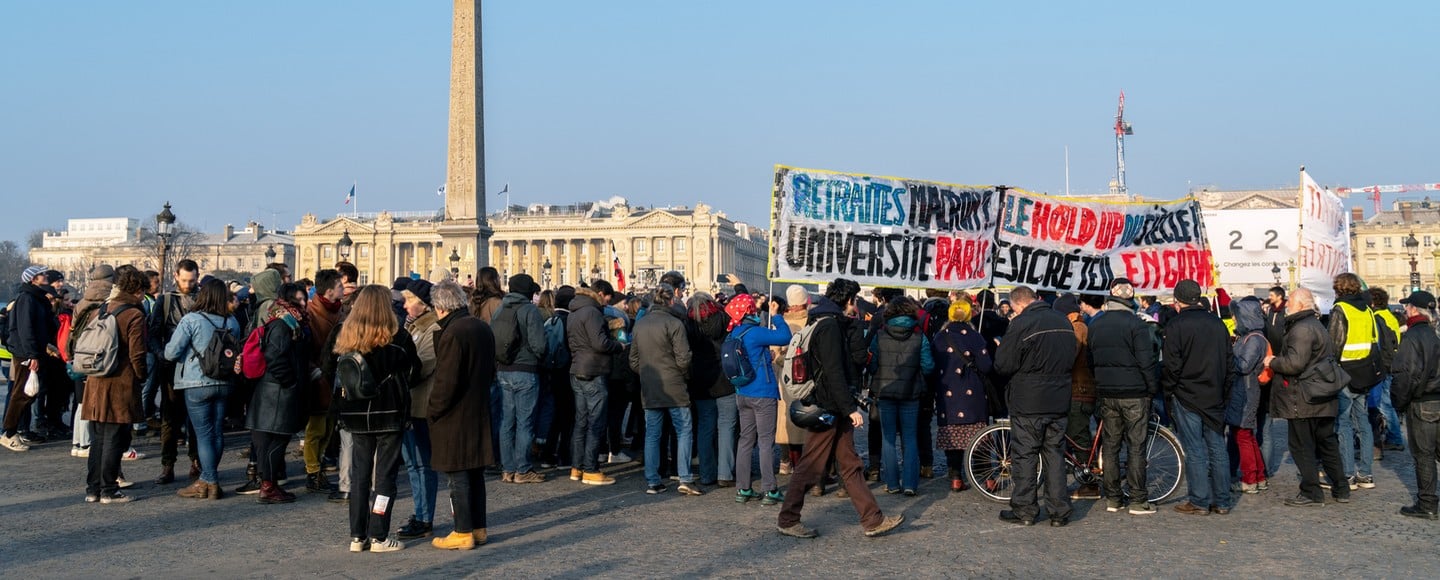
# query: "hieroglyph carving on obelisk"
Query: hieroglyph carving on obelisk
{"points": [[464, 228]]}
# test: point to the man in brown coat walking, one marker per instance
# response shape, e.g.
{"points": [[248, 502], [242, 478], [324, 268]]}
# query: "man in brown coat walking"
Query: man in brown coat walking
{"points": [[112, 402]]}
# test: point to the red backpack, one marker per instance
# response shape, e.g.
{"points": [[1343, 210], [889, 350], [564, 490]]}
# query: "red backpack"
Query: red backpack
{"points": [[251, 362]]}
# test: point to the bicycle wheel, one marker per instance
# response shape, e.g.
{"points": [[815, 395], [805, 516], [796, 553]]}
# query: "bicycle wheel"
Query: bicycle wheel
{"points": [[1165, 463], [989, 463]]}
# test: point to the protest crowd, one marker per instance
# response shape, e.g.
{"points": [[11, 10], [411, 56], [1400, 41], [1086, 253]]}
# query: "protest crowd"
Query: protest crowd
{"points": [[501, 381]]}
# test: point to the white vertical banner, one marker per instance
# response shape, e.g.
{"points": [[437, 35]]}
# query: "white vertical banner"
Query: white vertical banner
{"points": [[1324, 241]]}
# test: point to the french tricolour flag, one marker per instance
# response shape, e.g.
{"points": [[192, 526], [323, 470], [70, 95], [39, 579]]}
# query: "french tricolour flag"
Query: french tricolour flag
{"points": [[349, 197]]}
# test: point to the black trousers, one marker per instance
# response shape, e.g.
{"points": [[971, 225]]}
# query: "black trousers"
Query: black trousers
{"points": [[1033, 437], [467, 499], [269, 454], [1423, 425], [562, 427], [1313, 443], [371, 503], [108, 441], [1127, 421], [173, 417], [57, 390], [924, 432]]}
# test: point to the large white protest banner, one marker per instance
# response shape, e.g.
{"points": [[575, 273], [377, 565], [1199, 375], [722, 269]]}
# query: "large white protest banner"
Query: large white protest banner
{"points": [[1075, 245], [880, 231], [1248, 244], [1324, 241]]}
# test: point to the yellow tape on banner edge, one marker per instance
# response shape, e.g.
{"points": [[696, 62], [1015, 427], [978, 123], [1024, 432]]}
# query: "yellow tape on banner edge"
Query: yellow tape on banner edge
{"points": [[779, 166]]}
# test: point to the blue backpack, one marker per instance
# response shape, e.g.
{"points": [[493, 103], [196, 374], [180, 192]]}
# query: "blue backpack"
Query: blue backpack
{"points": [[557, 350], [734, 361]]}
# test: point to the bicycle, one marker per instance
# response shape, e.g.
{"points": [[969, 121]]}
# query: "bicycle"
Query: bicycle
{"points": [[988, 462]]}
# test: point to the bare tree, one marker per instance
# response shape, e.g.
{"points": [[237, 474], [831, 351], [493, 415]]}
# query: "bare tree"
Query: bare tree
{"points": [[184, 244], [36, 238], [13, 261]]}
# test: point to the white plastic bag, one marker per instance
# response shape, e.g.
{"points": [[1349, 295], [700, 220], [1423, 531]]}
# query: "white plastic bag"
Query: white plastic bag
{"points": [[32, 384]]}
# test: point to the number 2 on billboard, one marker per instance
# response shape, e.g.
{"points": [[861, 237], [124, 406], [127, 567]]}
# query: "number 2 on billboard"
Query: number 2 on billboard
{"points": [[1270, 237]]}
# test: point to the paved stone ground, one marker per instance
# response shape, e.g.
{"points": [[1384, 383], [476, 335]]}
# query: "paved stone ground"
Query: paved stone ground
{"points": [[563, 529]]}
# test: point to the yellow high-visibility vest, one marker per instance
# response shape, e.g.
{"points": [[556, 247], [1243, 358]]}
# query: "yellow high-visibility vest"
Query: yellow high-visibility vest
{"points": [[1391, 322], [1361, 332]]}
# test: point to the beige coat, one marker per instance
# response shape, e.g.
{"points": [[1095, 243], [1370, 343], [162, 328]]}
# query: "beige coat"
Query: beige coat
{"points": [[786, 433], [423, 330]]}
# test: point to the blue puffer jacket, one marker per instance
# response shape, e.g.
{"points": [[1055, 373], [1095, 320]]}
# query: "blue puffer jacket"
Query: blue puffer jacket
{"points": [[758, 341], [190, 338]]}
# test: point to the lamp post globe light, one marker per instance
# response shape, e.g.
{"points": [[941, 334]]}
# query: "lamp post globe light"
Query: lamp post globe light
{"points": [[164, 229], [454, 262], [545, 271], [270, 253], [343, 246], [1275, 271]]}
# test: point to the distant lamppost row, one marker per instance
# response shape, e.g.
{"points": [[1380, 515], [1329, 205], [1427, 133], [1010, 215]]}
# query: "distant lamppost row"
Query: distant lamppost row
{"points": [[455, 262], [164, 229], [343, 246]]}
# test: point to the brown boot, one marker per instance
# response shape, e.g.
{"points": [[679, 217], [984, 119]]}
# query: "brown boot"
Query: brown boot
{"points": [[197, 490], [167, 475], [215, 492], [480, 536], [194, 470]]}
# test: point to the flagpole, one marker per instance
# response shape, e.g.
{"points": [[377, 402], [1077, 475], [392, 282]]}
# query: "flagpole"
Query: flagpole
{"points": [[355, 203], [1300, 242]]}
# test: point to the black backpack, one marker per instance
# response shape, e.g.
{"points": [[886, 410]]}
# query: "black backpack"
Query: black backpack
{"points": [[506, 327], [221, 356], [557, 348], [353, 376]]}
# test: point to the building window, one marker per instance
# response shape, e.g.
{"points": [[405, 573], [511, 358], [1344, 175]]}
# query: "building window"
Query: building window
{"points": [[1427, 241], [679, 244], [365, 251], [327, 252], [659, 246], [1387, 242], [640, 245]]}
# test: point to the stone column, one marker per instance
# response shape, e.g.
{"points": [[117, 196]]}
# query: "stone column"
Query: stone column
{"points": [[465, 227]]}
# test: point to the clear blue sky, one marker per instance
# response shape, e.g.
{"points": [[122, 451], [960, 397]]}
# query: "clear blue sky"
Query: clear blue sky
{"points": [[235, 110]]}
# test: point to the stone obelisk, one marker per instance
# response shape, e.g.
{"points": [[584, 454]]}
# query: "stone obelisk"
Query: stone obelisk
{"points": [[465, 230]]}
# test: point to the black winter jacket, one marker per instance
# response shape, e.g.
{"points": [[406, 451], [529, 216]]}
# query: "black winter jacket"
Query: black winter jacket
{"points": [[591, 345], [389, 411], [32, 323], [661, 355], [278, 404], [1306, 344], [1038, 354], [832, 353], [1122, 355], [1197, 364], [707, 381], [1417, 367]]}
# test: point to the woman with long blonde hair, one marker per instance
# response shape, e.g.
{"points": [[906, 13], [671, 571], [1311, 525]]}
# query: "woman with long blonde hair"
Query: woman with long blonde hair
{"points": [[374, 364]]}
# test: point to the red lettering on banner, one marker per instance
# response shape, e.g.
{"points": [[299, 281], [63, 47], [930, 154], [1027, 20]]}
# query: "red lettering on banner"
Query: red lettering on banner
{"points": [[1040, 221], [1111, 224], [960, 259], [1162, 269], [1083, 229]]}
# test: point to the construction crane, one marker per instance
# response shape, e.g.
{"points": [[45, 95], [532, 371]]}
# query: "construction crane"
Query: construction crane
{"points": [[1376, 190], [1122, 128]]}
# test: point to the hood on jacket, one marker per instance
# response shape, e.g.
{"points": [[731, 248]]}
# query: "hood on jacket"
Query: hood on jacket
{"points": [[824, 306], [581, 295], [513, 298], [97, 290], [901, 327], [1248, 315], [266, 285]]}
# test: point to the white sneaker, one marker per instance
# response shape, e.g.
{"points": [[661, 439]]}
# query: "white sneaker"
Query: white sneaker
{"points": [[122, 483], [132, 455], [358, 545], [387, 545], [13, 443], [80, 451], [620, 457]]}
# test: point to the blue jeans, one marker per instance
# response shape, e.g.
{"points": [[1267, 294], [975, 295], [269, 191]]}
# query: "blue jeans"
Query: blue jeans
{"points": [[517, 423], [1272, 445], [901, 416], [654, 424], [497, 414], [206, 406], [591, 412], [1380, 399], [147, 393], [715, 426], [1354, 420], [544, 412], [415, 449], [1207, 465]]}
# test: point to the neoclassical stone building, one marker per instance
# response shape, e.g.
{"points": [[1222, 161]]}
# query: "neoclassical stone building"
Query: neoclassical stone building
{"points": [[575, 240], [85, 243]]}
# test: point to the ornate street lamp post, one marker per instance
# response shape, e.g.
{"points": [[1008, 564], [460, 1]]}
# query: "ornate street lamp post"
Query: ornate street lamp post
{"points": [[1412, 247], [343, 246], [270, 254], [1275, 271], [545, 272], [455, 262], [164, 229]]}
